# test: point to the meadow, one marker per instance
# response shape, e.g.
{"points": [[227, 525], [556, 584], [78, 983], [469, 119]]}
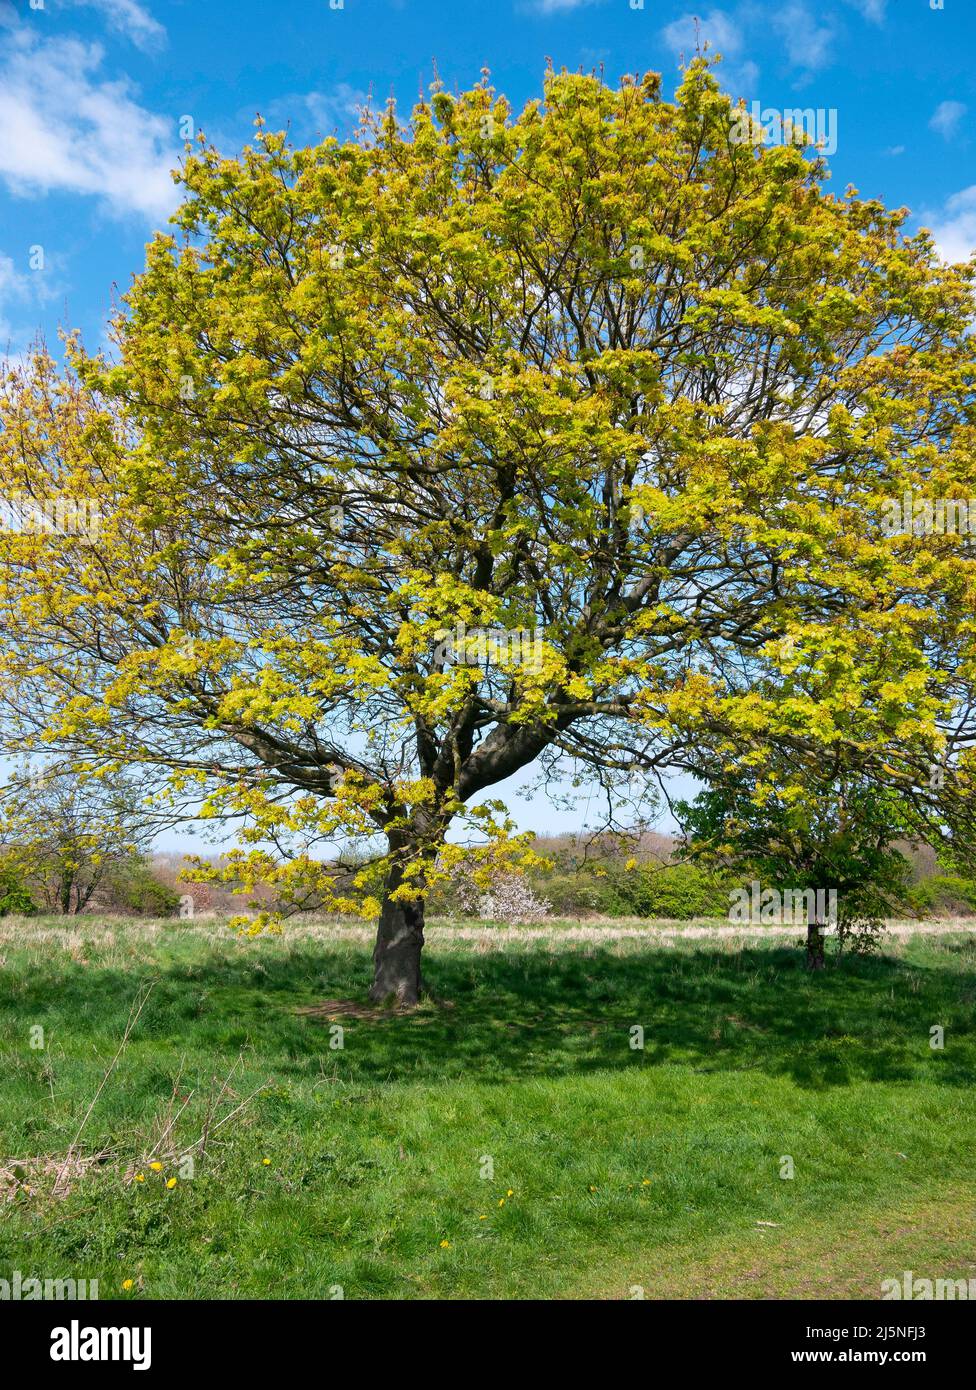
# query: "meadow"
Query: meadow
{"points": [[508, 1141]]}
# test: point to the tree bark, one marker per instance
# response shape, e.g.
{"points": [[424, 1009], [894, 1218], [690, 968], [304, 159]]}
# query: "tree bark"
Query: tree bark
{"points": [[64, 893], [396, 955], [815, 945]]}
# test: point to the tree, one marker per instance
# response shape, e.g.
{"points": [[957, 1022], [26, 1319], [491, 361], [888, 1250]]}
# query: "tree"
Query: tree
{"points": [[490, 441], [67, 833], [808, 834]]}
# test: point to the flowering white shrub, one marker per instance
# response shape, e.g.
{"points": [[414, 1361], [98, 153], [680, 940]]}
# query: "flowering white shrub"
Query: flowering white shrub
{"points": [[511, 901]]}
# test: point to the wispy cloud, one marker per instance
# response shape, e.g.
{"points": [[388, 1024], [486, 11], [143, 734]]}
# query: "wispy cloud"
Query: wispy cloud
{"points": [[809, 43], [13, 289], [336, 110], [127, 17], [66, 129], [873, 10], [947, 117], [720, 31], [21, 287], [954, 226], [557, 6]]}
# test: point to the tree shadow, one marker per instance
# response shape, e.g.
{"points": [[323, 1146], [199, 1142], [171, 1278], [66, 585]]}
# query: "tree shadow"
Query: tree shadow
{"points": [[521, 1013]]}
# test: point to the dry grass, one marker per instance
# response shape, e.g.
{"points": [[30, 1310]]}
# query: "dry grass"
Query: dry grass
{"points": [[84, 934], [47, 1177]]}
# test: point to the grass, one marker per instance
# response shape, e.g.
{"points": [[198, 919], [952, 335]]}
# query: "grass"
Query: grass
{"points": [[613, 1168]]}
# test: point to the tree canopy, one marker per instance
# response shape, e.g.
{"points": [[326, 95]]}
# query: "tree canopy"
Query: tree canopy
{"points": [[492, 439], [834, 841]]}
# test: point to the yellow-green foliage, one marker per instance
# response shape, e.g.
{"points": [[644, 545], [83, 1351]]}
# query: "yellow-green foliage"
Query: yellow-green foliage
{"points": [[592, 371]]}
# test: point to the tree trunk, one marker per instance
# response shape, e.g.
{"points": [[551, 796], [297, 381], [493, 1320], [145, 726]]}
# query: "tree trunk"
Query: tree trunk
{"points": [[396, 955], [815, 945]]}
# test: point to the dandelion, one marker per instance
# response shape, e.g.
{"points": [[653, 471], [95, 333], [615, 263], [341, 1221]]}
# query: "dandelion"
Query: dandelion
{"points": [[266, 1162], [156, 1167], [482, 1218], [171, 1182], [445, 1245], [509, 1193], [127, 1284], [140, 1177], [646, 1182]]}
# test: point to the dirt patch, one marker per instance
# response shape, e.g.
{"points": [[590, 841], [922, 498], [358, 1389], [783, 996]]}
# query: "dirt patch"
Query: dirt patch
{"points": [[334, 1010]]}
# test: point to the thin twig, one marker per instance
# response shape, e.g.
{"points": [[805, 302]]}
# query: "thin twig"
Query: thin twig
{"points": [[231, 1115]]}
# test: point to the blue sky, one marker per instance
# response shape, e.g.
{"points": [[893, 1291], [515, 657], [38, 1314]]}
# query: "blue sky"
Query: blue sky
{"points": [[94, 94]]}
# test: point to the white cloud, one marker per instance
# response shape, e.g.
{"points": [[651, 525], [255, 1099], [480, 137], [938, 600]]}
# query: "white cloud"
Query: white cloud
{"points": [[340, 107], [322, 113], [873, 10], [946, 118], [808, 42], [718, 29], [130, 18], [21, 287], [954, 228], [722, 34], [560, 6], [11, 278], [64, 129]]}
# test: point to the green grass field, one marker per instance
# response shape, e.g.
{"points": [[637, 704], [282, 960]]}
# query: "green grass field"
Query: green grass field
{"points": [[361, 1168]]}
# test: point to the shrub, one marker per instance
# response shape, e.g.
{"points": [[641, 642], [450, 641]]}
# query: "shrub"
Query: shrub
{"points": [[575, 894], [511, 900], [15, 900], [678, 891], [131, 886], [601, 887], [944, 894]]}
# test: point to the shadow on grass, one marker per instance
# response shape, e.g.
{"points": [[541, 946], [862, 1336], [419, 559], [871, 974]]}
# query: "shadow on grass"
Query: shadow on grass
{"points": [[522, 1013]]}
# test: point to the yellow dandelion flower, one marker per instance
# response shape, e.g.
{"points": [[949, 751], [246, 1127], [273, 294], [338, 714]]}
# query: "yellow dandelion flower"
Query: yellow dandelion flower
{"points": [[482, 1218], [127, 1283], [171, 1182], [140, 1177], [509, 1193], [266, 1162], [501, 1201], [646, 1182], [445, 1245], [156, 1167]]}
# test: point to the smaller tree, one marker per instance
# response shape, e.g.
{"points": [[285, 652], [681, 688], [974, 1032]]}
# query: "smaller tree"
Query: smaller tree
{"points": [[809, 833], [64, 834], [15, 899]]}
